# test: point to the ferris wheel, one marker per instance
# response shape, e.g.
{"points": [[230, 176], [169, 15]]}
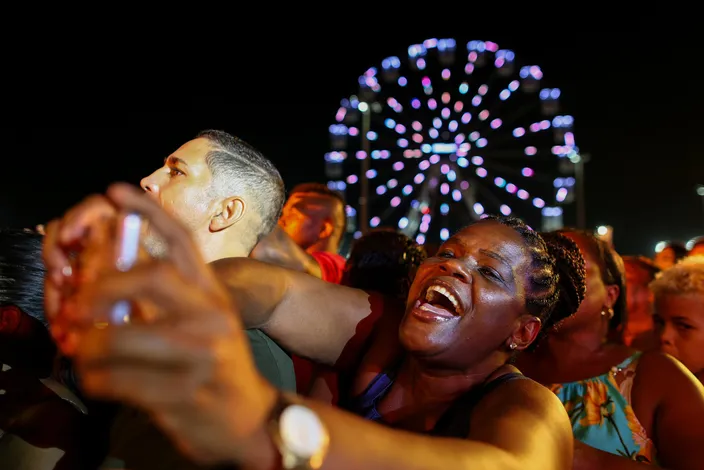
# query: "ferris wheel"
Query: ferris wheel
{"points": [[442, 137]]}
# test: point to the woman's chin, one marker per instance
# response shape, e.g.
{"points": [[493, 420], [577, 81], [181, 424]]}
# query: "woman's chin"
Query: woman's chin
{"points": [[424, 337]]}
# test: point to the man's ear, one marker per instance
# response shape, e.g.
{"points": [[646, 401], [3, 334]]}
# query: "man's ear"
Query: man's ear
{"points": [[326, 229], [227, 213]]}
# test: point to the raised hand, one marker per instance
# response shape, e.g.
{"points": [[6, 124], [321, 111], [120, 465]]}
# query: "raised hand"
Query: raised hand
{"points": [[79, 232], [189, 365]]}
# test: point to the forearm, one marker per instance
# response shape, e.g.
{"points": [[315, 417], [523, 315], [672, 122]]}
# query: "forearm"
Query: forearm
{"points": [[256, 288], [356, 443], [306, 316], [589, 458]]}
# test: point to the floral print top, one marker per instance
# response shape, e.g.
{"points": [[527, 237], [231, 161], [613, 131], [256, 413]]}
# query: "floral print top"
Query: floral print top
{"points": [[602, 416]]}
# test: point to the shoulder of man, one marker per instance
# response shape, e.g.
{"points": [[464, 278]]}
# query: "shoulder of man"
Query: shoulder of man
{"points": [[273, 363]]}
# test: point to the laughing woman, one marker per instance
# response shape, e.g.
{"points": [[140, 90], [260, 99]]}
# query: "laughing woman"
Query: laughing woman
{"points": [[433, 385]]}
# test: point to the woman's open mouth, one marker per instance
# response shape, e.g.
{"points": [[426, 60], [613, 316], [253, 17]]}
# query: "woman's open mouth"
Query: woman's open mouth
{"points": [[440, 302]]}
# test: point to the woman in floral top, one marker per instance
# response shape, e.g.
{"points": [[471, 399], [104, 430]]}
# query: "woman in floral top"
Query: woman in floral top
{"points": [[628, 409]]}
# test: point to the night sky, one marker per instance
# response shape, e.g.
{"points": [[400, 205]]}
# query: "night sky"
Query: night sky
{"points": [[632, 93]]}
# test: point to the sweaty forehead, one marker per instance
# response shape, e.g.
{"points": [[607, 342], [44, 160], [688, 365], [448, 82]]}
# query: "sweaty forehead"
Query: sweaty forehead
{"points": [[494, 237]]}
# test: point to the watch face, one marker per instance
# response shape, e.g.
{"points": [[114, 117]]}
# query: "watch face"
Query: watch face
{"points": [[301, 431]]}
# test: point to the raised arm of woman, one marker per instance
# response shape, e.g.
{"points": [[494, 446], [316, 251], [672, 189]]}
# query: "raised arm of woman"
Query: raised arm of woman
{"points": [[310, 317]]}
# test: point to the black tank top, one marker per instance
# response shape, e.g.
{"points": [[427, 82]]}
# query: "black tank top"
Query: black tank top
{"points": [[453, 423]]}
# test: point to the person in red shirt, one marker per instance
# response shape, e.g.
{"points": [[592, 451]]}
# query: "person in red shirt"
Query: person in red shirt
{"points": [[308, 237], [639, 329]]}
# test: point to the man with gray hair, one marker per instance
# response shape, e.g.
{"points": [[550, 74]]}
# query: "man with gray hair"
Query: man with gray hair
{"points": [[223, 189], [230, 196]]}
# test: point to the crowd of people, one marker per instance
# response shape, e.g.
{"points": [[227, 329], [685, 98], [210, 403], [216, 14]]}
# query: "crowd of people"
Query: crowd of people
{"points": [[252, 343]]}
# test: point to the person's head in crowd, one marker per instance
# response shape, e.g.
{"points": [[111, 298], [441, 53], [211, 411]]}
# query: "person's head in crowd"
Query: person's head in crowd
{"points": [[223, 189], [670, 255], [314, 217], [383, 261], [604, 307], [679, 312], [640, 271], [24, 338], [697, 247], [488, 292]]}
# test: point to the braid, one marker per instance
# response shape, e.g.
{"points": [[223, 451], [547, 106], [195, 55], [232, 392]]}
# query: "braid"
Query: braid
{"points": [[612, 268], [572, 274], [558, 275]]}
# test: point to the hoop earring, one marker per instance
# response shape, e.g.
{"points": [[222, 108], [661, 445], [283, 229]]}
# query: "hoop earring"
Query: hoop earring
{"points": [[608, 312]]}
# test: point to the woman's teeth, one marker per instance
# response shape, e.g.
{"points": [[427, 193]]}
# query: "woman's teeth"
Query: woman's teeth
{"points": [[433, 291]]}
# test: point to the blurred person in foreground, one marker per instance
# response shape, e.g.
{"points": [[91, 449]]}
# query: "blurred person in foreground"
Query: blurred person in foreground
{"points": [[445, 395]]}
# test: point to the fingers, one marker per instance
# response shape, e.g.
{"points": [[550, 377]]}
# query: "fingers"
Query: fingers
{"points": [[144, 365], [54, 256], [182, 249], [63, 235], [79, 219], [56, 263], [157, 283], [145, 388], [145, 346]]}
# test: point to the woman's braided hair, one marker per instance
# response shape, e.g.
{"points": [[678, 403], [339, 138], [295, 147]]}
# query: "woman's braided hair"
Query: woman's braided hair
{"points": [[612, 268], [558, 278]]}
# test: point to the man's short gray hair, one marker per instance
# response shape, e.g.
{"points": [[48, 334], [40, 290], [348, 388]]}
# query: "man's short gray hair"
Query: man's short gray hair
{"points": [[239, 168]]}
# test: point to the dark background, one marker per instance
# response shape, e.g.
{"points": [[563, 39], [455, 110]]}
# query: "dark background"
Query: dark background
{"points": [[79, 124]]}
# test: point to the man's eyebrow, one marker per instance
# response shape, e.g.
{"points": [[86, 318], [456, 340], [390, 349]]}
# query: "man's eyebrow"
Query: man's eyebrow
{"points": [[174, 161]]}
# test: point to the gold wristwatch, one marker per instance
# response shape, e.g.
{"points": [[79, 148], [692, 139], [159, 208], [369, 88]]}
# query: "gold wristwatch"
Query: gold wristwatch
{"points": [[299, 434]]}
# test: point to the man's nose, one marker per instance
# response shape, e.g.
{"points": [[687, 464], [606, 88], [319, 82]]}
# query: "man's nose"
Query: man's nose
{"points": [[150, 185]]}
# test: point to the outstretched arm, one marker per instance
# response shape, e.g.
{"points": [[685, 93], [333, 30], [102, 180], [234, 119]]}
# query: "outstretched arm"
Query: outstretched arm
{"points": [[519, 426], [309, 317]]}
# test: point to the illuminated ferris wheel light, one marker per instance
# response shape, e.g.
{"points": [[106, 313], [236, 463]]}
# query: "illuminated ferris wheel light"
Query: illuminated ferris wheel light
{"points": [[470, 119]]}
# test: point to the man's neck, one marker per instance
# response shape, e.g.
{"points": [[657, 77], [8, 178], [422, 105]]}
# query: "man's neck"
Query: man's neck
{"points": [[210, 254]]}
